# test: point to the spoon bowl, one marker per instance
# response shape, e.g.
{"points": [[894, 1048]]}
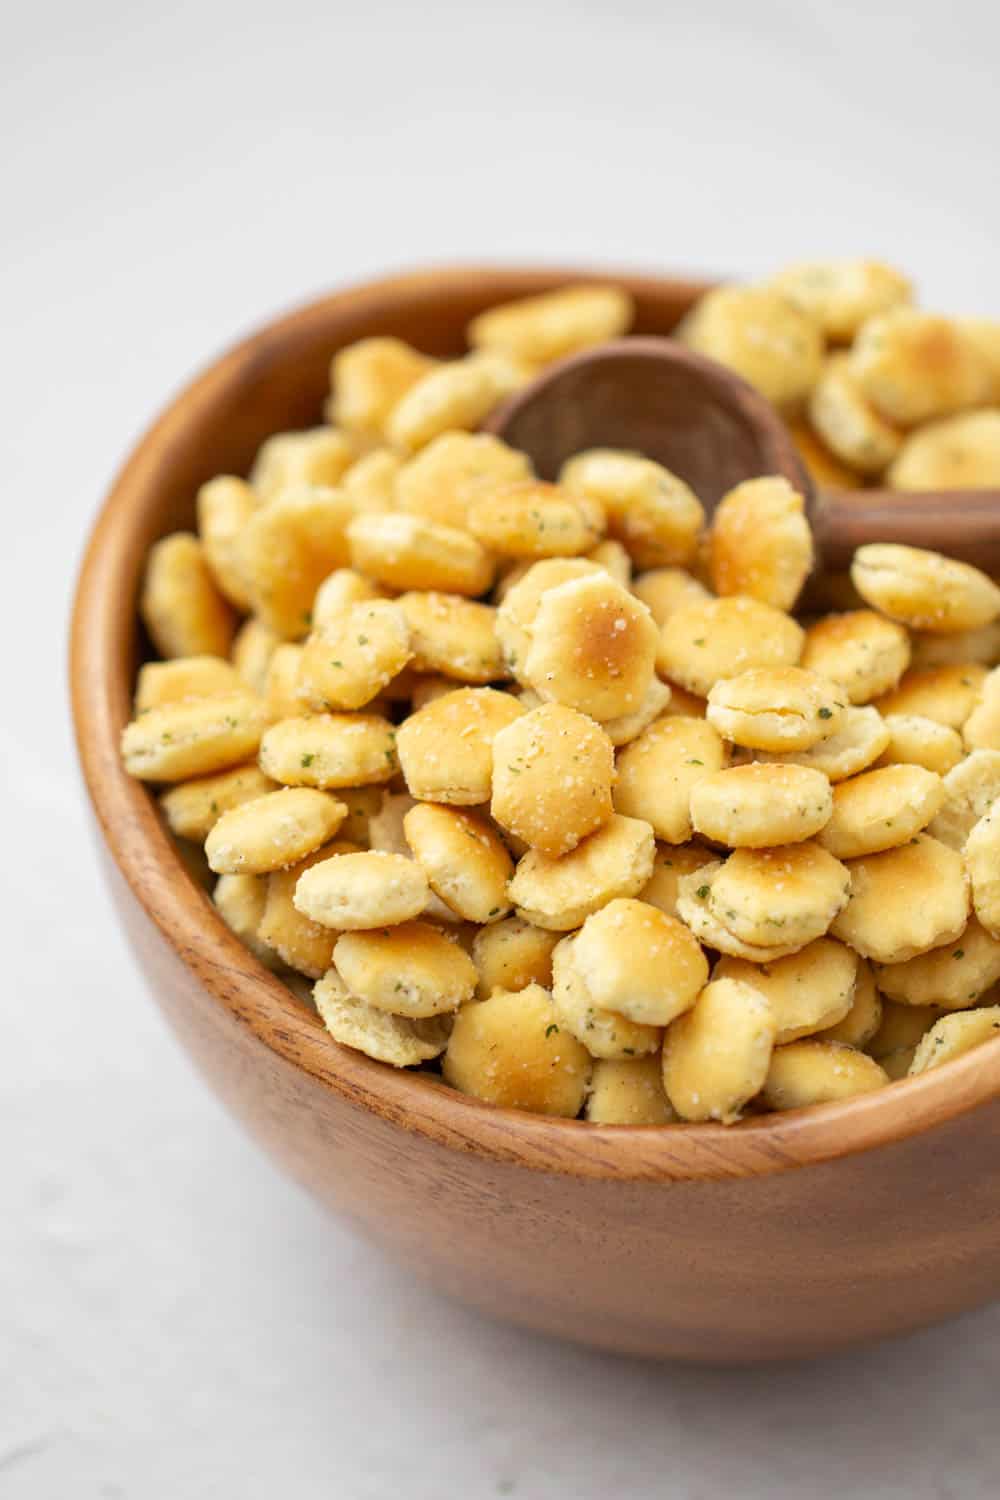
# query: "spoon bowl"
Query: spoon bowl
{"points": [[655, 397], [707, 425]]}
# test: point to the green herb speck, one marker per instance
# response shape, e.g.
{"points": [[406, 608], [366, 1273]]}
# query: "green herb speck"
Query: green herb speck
{"points": [[308, 759], [826, 713], [702, 892], [550, 1030]]}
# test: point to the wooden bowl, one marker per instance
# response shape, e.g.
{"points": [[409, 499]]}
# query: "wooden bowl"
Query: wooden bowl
{"points": [[783, 1236]]}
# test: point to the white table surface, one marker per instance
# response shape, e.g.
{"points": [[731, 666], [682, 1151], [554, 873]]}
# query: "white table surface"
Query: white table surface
{"points": [[176, 1320]]}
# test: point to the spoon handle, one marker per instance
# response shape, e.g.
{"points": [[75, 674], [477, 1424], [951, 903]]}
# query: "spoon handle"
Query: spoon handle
{"points": [[961, 523]]}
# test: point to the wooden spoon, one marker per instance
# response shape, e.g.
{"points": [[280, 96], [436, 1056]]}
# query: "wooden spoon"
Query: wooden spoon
{"points": [[698, 419]]}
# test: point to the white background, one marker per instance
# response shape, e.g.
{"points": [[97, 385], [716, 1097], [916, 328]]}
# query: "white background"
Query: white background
{"points": [[176, 1321]]}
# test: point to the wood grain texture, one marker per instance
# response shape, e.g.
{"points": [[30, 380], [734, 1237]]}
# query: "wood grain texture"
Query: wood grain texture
{"points": [[782, 1236], [962, 523]]}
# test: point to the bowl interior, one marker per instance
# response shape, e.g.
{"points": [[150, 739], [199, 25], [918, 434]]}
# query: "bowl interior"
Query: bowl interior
{"points": [[276, 380]]}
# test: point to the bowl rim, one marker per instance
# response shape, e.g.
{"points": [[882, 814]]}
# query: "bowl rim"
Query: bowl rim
{"points": [[419, 1103]]}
